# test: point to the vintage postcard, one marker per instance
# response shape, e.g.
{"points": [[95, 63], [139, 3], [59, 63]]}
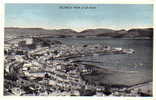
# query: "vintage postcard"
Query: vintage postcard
{"points": [[78, 50]]}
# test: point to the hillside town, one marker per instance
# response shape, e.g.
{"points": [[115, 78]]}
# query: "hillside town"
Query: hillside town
{"points": [[35, 66]]}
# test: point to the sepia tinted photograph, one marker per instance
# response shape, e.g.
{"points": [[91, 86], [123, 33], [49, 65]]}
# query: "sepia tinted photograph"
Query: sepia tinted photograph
{"points": [[78, 50]]}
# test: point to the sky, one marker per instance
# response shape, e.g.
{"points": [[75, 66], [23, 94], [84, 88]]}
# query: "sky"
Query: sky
{"points": [[79, 16]]}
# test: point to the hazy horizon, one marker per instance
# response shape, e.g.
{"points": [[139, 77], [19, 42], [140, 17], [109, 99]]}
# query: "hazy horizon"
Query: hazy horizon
{"points": [[80, 30], [52, 16]]}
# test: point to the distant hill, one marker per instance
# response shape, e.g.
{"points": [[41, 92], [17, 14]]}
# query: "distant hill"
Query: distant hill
{"points": [[132, 33], [96, 31], [148, 32], [12, 32]]}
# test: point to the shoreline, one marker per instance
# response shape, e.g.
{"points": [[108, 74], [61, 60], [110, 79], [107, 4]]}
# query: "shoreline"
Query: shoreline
{"points": [[37, 71]]}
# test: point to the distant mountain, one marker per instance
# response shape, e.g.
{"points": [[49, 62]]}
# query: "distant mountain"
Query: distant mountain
{"points": [[96, 31], [132, 33], [148, 32], [11, 32]]}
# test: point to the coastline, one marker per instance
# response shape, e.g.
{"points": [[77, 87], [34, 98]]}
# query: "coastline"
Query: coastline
{"points": [[41, 66]]}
